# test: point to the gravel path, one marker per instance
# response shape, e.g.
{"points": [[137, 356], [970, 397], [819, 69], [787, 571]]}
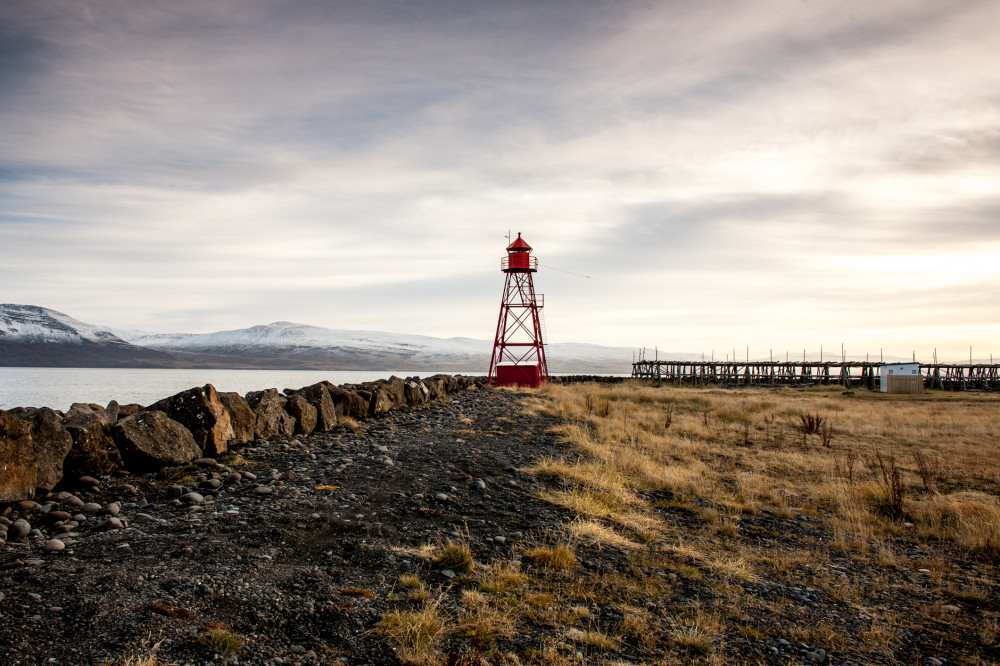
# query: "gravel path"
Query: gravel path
{"points": [[287, 559]]}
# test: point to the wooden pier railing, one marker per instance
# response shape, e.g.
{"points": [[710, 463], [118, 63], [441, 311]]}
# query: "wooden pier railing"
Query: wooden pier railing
{"points": [[943, 376]]}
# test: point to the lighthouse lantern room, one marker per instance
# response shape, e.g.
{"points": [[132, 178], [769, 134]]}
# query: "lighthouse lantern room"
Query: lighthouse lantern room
{"points": [[519, 347]]}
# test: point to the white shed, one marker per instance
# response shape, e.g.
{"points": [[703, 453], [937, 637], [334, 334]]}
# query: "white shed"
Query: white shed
{"points": [[901, 378]]}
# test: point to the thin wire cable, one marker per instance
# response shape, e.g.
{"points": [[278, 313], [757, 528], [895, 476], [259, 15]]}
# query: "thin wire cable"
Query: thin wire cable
{"points": [[562, 271]]}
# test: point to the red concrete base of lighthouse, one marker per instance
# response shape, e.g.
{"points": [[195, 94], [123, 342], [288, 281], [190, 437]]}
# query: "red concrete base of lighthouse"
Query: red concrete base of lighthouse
{"points": [[519, 375]]}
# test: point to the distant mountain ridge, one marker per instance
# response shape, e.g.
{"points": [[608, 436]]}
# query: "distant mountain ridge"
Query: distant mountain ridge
{"points": [[35, 336]]}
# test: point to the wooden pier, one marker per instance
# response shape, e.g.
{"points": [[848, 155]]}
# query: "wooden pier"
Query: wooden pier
{"points": [[942, 376]]}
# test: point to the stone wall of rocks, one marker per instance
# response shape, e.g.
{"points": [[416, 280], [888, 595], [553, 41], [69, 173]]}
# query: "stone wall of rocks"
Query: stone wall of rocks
{"points": [[41, 447]]}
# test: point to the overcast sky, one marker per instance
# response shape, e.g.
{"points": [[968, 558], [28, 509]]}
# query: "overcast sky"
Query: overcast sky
{"points": [[777, 175]]}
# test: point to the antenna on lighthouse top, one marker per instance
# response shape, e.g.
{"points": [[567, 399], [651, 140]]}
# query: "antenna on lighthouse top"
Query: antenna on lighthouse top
{"points": [[508, 237]]}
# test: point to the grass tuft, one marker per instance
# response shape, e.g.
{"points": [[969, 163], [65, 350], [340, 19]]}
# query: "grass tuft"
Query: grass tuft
{"points": [[416, 634], [456, 556], [557, 557], [221, 641]]}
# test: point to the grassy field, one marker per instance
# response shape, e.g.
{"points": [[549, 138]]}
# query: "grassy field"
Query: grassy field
{"points": [[752, 526]]}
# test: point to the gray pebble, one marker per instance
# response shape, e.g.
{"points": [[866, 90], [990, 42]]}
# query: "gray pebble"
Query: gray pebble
{"points": [[448, 573], [479, 484], [53, 545], [73, 501], [18, 530], [500, 539], [441, 497], [193, 498], [263, 490], [206, 462], [112, 509], [109, 524], [91, 507]]}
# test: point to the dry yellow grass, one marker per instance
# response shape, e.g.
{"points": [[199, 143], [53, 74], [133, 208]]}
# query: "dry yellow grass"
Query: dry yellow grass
{"points": [[555, 557], [745, 451], [872, 474], [416, 634]]}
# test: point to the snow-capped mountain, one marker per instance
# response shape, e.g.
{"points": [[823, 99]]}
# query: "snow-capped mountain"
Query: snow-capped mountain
{"points": [[36, 336], [37, 333], [300, 343], [288, 335], [33, 324]]}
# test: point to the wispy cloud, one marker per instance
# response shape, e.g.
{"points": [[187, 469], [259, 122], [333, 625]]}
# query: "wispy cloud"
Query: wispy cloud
{"points": [[755, 171]]}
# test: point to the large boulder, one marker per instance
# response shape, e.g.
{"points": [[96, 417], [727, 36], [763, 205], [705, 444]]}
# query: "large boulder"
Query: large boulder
{"points": [[435, 387], [51, 441], [200, 411], [393, 388], [448, 382], [303, 413], [416, 394], [150, 440], [18, 464], [326, 412], [83, 409], [125, 411], [352, 404], [94, 452], [241, 417], [269, 412], [380, 403]]}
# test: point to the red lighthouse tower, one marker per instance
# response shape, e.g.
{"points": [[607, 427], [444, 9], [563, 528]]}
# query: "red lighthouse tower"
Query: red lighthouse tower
{"points": [[518, 348]]}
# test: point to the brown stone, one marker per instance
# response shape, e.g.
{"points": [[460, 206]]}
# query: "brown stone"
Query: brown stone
{"points": [[18, 464], [326, 412], [286, 424], [125, 411], [393, 388], [380, 403], [303, 413], [79, 409], [52, 443], [338, 397], [94, 452], [435, 387], [416, 394], [150, 440], [241, 417], [269, 412], [200, 411]]}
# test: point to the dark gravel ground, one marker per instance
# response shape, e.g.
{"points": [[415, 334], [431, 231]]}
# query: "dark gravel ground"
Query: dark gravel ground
{"points": [[279, 568]]}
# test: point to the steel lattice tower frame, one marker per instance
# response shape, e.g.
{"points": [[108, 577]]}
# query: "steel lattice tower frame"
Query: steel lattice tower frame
{"points": [[519, 347]]}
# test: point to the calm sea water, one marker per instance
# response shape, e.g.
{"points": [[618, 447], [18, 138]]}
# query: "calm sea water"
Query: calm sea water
{"points": [[58, 388]]}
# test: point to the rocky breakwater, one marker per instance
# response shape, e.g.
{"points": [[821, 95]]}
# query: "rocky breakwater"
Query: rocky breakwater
{"points": [[51, 462]]}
